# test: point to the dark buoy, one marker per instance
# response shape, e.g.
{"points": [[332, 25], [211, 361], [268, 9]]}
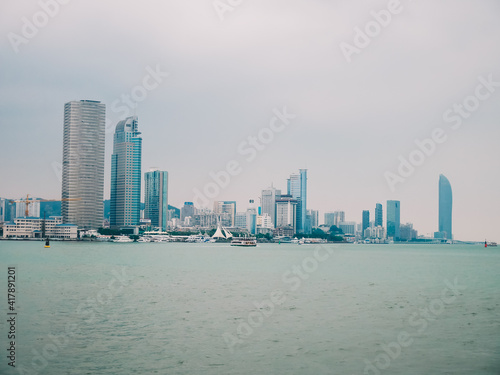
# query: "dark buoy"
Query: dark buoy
{"points": [[47, 243]]}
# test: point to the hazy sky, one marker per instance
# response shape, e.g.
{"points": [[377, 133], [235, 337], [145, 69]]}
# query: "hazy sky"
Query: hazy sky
{"points": [[228, 70]]}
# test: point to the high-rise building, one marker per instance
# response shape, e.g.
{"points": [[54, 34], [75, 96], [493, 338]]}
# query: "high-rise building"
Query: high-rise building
{"points": [[445, 207], [268, 202], [365, 222], [338, 217], [33, 208], [156, 198], [83, 164], [125, 205], [251, 219], [286, 212], [314, 214], [379, 215], [240, 220], [297, 188], [407, 232], [329, 219], [229, 207], [393, 219], [187, 210]]}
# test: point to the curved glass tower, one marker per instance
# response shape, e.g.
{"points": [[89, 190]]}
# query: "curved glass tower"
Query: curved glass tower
{"points": [[445, 207], [125, 205]]}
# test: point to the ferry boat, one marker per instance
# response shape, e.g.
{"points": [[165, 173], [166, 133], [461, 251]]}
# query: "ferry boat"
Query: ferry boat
{"points": [[122, 239], [244, 241]]}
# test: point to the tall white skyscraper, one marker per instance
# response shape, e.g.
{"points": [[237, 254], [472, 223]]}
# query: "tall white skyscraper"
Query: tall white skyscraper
{"points": [[83, 163]]}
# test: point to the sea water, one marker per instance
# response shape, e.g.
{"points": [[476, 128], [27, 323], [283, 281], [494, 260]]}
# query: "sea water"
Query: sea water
{"points": [[178, 308]]}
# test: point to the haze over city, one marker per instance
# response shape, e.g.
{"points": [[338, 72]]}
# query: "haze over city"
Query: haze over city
{"points": [[218, 78]]}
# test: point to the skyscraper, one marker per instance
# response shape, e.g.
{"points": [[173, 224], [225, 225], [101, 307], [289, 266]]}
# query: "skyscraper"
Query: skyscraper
{"points": [[226, 207], [379, 215], [329, 218], [156, 198], [251, 217], [445, 207], [83, 164], [187, 210], [268, 202], [286, 212], [393, 219], [297, 188], [125, 205], [365, 222]]}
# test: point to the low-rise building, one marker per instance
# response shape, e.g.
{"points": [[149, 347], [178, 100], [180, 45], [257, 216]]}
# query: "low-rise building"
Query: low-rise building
{"points": [[32, 227]]}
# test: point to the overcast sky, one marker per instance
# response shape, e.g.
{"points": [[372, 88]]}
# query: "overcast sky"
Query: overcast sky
{"points": [[229, 70]]}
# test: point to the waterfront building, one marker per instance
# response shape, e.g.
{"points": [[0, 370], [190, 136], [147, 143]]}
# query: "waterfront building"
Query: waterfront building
{"points": [[314, 214], [286, 212], [445, 207], [83, 163], [32, 227], [379, 215], [297, 188], [407, 233], [268, 202], [393, 219], [240, 220], [125, 205], [156, 198], [187, 210], [251, 220], [365, 222], [348, 227], [210, 219], [329, 219], [229, 207]]}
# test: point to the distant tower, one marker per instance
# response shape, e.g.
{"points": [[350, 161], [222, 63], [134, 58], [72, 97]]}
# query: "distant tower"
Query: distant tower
{"points": [[83, 164], [251, 219], [268, 202], [125, 205], [445, 207], [156, 198], [297, 188], [365, 222], [187, 210], [393, 218], [379, 215]]}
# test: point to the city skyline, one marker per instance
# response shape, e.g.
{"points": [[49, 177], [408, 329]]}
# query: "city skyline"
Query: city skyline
{"points": [[204, 99]]}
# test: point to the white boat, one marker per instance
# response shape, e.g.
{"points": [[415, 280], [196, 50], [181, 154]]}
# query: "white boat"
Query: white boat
{"points": [[244, 241], [144, 239], [160, 238], [122, 239]]}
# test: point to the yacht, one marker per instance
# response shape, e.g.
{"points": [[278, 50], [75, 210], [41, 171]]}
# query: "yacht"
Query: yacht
{"points": [[122, 239]]}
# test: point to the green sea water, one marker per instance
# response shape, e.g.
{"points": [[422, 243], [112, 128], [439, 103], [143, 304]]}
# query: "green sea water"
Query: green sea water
{"points": [[176, 308]]}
